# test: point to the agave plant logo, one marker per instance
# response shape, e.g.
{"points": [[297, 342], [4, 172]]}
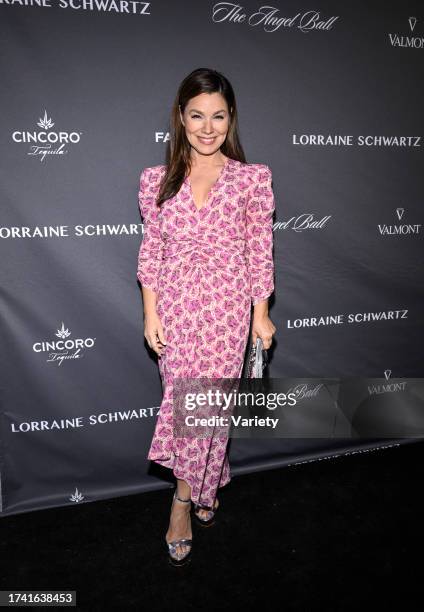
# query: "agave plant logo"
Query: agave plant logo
{"points": [[64, 348], [62, 332], [77, 496], [45, 123], [46, 141]]}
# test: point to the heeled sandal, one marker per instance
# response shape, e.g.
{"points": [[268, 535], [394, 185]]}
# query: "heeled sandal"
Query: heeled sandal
{"points": [[210, 520], [174, 557]]}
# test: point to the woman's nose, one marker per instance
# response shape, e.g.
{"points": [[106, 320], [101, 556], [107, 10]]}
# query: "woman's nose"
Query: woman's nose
{"points": [[207, 127]]}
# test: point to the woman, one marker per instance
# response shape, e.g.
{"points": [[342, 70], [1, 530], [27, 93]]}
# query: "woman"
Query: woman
{"points": [[205, 257]]}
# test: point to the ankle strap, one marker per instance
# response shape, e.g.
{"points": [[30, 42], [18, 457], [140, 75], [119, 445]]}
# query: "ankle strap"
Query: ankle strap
{"points": [[182, 500]]}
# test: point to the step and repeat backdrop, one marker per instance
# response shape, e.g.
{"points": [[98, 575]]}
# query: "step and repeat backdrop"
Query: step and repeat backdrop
{"points": [[329, 96]]}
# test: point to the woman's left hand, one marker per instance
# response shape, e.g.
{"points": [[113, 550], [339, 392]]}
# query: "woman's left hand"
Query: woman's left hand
{"points": [[264, 328]]}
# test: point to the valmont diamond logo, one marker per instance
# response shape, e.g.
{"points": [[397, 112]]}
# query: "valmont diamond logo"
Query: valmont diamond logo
{"points": [[412, 23], [408, 41]]}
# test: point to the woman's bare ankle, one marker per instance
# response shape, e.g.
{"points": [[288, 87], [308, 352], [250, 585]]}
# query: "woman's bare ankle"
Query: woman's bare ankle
{"points": [[183, 489]]}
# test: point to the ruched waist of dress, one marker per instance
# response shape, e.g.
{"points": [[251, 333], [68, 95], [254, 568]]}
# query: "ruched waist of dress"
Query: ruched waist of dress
{"points": [[214, 250]]}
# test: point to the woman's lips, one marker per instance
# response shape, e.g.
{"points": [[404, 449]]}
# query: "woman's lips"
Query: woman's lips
{"points": [[206, 140]]}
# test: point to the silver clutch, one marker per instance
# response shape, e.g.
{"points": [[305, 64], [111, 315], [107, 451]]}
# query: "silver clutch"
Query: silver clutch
{"points": [[258, 360]]}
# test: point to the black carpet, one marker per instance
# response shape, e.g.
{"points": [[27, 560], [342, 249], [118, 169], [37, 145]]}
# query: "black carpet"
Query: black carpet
{"points": [[337, 534]]}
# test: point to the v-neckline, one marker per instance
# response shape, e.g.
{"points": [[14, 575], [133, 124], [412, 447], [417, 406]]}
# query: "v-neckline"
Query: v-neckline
{"points": [[211, 190]]}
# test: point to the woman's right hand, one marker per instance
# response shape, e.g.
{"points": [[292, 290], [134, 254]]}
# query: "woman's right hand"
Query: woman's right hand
{"points": [[153, 332]]}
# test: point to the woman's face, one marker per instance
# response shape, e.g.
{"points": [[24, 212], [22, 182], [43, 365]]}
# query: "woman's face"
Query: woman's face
{"points": [[206, 120]]}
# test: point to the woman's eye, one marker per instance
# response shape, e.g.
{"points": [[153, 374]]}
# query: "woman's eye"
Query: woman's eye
{"points": [[195, 117]]}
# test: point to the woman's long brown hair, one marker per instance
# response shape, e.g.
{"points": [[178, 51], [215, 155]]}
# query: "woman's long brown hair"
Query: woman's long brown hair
{"points": [[178, 158]]}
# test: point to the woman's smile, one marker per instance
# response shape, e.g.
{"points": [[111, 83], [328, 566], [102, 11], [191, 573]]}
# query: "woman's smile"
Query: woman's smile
{"points": [[205, 140]]}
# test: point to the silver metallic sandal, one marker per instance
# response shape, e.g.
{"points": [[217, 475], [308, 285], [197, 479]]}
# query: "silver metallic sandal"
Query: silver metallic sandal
{"points": [[205, 522], [175, 557]]}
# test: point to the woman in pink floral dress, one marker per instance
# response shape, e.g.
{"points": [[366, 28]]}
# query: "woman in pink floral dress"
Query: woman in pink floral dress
{"points": [[205, 259]]}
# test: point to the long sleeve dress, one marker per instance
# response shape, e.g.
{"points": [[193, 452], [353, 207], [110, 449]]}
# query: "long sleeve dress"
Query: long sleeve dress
{"points": [[207, 267]]}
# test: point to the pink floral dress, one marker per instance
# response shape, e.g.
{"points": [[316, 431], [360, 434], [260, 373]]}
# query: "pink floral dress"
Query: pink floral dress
{"points": [[207, 267]]}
